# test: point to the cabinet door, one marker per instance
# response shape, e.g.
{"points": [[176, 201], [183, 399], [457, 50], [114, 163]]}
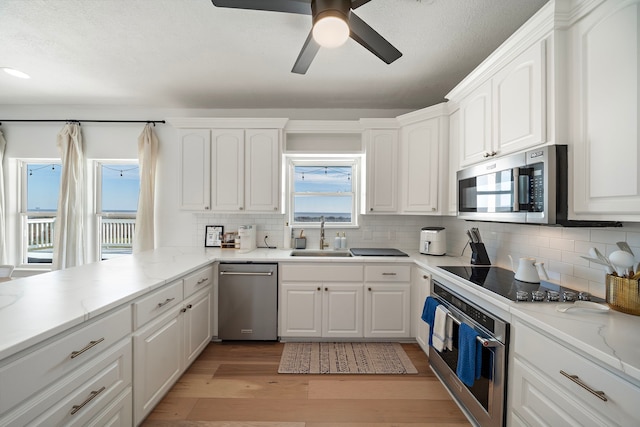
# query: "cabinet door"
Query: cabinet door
{"points": [[158, 353], [262, 167], [518, 107], [382, 171], [475, 126], [386, 310], [422, 287], [197, 325], [195, 190], [342, 310], [227, 169], [300, 310], [420, 151], [606, 105]]}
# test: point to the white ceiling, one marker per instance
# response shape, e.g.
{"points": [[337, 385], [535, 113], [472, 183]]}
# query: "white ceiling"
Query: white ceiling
{"points": [[190, 54]]}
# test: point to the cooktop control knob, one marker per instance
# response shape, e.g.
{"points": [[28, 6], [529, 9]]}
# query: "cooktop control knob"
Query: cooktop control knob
{"points": [[553, 296], [537, 295], [522, 296], [569, 296], [584, 296]]}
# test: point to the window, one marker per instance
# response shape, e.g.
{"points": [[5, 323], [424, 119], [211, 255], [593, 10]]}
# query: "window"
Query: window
{"points": [[323, 188], [117, 189], [40, 190]]}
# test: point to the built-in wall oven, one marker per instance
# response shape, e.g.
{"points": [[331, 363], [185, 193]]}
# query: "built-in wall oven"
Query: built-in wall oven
{"points": [[484, 401]]}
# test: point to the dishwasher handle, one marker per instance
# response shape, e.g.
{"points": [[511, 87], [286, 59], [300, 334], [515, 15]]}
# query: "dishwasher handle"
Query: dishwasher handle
{"points": [[246, 273]]}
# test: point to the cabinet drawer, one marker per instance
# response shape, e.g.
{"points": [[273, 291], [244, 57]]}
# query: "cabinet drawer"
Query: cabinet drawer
{"points": [[35, 371], [550, 357], [387, 273], [198, 280], [321, 273], [157, 303], [81, 395]]}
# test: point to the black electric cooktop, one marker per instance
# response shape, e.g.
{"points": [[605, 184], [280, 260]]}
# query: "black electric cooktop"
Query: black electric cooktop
{"points": [[503, 283], [377, 252]]}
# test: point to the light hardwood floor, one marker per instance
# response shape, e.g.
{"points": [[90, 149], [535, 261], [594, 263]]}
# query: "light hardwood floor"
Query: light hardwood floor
{"points": [[237, 384]]}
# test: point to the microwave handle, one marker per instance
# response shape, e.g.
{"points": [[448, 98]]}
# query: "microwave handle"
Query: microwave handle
{"points": [[515, 172]]}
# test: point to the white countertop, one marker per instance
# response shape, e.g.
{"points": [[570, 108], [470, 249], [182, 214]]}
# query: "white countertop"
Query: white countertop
{"points": [[35, 308]]}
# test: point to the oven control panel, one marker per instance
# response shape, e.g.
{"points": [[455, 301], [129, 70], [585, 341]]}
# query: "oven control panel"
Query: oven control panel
{"points": [[480, 317]]}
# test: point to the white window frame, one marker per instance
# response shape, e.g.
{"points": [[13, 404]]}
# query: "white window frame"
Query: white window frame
{"points": [[100, 215], [317, 160], [25, 214]]}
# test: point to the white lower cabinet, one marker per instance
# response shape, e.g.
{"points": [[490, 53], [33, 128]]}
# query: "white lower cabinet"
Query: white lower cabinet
{"points": [[321, 301], [553, 385], [344, 301], [165, 347], [386, 301]]}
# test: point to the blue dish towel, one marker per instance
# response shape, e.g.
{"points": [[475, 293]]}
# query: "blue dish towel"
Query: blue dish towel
{"points": [[469, 355], [429, 314]]}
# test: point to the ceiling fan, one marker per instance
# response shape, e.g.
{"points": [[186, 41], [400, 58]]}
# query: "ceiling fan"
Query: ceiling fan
{"points": [[333, 22]]}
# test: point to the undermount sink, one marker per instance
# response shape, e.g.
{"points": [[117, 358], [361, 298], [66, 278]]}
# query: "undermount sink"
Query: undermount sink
{"points": [[319, 253]]}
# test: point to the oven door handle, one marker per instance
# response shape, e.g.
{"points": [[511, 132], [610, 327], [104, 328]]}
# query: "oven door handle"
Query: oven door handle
{"points": [[486, 342]]}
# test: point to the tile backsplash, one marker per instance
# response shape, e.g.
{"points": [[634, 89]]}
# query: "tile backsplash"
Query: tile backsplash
{"points": [[558, 247]]}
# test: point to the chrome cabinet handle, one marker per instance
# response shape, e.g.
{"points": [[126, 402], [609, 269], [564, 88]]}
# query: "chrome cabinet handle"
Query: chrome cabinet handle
{"points": [[76, 408], [201, 281], [599, 394], [167, 301], [91, 344], [245, 273], [389, 274]]}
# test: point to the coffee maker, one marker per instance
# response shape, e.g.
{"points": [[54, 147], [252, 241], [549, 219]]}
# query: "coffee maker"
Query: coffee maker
{"points": [[433, 241]]}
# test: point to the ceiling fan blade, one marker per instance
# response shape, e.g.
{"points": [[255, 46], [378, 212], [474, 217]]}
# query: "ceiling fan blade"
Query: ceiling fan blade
{"points": [[302, 7], [357, 3], [370, 39], [308, 52]]}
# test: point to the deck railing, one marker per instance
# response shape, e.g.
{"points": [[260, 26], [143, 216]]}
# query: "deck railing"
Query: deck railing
{"points": [[115, 234]]}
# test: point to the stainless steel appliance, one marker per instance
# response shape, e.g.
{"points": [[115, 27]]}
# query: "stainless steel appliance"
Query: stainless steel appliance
{"points": [[433, 241], [484, 401], [528, 187], [502, 282], [377, 252], [248, 301]]}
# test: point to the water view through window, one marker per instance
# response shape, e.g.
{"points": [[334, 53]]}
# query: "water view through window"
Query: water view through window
{"points": [[120, 187], [42, 188], [323, 191]]}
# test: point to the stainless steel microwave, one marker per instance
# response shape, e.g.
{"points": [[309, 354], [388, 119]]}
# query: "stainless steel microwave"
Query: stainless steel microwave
{"points": [[529, 187]]}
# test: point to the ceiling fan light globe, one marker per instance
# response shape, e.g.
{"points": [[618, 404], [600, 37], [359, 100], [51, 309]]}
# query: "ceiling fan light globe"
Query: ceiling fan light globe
{"points": [[330, 31]]}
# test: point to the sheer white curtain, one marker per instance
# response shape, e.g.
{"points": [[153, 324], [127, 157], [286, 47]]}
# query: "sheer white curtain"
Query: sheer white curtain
{"points": [[147, 157], [3, 239], [68, 240]]}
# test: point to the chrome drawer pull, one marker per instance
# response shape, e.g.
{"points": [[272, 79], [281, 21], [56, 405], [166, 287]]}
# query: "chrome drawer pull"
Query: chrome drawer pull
{"points": [[389, 274], [599, 394], [167, 301], [91, 344], [76, 408], [202, 281]]}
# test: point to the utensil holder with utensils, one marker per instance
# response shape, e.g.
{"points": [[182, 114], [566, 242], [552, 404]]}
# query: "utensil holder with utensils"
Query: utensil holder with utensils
{"points": [[623, 294]]}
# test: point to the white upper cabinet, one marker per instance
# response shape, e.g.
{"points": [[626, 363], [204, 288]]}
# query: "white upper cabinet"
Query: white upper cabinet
{"points": [[475, 126], [227, 168], [381, 146], [422, 154], [518, 95], [195, 166], [505, 113], [604, 107]]}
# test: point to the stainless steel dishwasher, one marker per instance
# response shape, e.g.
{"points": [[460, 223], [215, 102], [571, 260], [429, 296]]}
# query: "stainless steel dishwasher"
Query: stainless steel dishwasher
{"points": [[248, 301]]}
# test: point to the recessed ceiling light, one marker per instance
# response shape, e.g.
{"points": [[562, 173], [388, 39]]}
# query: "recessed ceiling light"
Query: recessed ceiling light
{"points": [[16, 73]]}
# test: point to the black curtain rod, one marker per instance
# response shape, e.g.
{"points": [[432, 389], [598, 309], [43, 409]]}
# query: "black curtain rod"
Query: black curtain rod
{"points": [[86, 121]]}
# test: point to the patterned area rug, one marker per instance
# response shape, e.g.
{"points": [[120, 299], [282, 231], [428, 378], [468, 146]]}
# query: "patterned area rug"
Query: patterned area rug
{"points": [[345, 358]]}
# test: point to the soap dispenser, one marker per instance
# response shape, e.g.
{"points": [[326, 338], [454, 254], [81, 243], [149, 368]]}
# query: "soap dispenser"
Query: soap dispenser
{"points": [[336, 241], [343, 241]]}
